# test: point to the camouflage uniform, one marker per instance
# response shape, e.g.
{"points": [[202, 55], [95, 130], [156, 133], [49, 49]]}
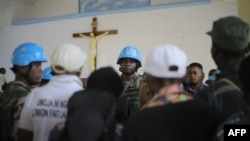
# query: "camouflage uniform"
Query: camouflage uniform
{"points": [[15, 93], [12, 103], [129, 104]]}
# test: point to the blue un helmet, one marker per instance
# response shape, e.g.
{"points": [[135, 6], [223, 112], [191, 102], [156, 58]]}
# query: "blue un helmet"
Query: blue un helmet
{"points": [[46, 75], [131, 53], [27, 53]]}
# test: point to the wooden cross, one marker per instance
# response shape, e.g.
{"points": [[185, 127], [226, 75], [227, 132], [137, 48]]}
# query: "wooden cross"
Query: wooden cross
{"points": [[94, 36]]}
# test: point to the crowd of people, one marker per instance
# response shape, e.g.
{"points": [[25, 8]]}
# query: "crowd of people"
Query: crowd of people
{"points": [[170, 101]]}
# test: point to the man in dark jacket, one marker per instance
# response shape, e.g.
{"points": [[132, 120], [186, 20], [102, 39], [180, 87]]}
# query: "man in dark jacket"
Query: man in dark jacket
{"points": [[230, 37]]}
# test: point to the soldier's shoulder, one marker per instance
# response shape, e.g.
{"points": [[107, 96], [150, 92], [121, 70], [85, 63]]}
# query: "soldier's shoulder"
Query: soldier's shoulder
{"points": [[219, 88], [139, 76], [16, 87]]}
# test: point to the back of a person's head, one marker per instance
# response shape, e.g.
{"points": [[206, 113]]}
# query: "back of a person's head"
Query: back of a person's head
{"points": [[91, 114], [68, 58], [95, 98], [166, 61], [106, 78], [231, 34]]}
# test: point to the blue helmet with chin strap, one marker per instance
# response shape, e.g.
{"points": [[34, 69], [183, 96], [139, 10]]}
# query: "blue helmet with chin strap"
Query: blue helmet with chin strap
{"points": [[46, 75], [130, 52], [27, 53]]}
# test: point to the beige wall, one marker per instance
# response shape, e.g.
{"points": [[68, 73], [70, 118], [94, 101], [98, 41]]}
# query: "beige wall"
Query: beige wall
{"points": [[244, 9], [182, 26], [35, 9]]}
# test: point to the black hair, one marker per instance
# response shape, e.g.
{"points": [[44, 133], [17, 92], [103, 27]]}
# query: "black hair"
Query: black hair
{"points": [[106, 78], [2, 70], [14, 69], [195, 64], [212, 71]]}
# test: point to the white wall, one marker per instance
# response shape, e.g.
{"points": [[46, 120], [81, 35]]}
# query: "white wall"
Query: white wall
{"points": [[183, 26]]}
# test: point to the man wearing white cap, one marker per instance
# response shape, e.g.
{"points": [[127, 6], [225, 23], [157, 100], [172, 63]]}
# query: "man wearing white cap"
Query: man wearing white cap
{"points": [[47, 105], [171, 114]]}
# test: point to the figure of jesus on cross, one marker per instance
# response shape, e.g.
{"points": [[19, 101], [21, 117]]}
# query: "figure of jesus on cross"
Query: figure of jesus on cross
{"points": [[94, 36]]}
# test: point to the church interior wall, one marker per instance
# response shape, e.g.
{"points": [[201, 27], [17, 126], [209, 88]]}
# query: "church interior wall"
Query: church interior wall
{"points": [[184, 26]]}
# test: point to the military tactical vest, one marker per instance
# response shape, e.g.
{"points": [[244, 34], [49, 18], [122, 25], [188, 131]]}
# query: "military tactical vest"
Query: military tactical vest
{"points": [[129, 104]]}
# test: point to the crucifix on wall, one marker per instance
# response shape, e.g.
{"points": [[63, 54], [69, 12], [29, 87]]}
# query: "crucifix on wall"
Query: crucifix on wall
{"points": [[94, 36]]}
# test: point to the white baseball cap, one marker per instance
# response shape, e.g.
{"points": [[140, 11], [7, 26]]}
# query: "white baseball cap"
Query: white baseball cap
{"points": [[166, 61], [70, 57]]}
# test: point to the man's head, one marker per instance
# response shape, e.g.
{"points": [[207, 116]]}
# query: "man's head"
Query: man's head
{"points": [[230, 38], [129, 60], [27, 59], [106, 78], [3, 70], [68, 59], [195, 73], [165, 62], [211, 76], [230, 34]]}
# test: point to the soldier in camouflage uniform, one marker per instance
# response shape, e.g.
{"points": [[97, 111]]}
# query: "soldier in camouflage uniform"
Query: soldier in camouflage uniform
{"points": [[26, 59], [230, 37], [129, 61]]}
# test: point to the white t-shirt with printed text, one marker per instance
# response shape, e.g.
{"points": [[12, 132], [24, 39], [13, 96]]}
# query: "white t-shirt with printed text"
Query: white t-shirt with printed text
{"points": [[47, 105]]}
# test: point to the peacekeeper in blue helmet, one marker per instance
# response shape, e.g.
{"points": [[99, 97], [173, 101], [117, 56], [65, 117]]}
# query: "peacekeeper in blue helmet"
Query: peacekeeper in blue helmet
{"points": [[130, 61], [27, 59], [46, 76]]}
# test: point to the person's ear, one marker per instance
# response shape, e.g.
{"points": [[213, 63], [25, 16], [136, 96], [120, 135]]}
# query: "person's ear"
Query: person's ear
{"points": [[202, 75]]}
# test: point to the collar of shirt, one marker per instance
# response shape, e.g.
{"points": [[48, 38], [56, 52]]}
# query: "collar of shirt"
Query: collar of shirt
{"points": [[169, 94], [66, 78], [229, 74], [191, 91], [133, 78]]}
